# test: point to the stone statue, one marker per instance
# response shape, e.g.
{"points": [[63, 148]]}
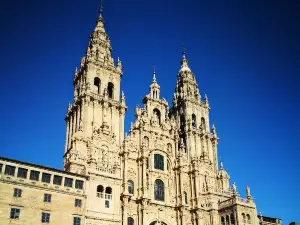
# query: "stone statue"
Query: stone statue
{"points": [[248, 191], [234, 187]]}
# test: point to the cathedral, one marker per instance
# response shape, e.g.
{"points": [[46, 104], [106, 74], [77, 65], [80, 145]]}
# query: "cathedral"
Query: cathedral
{"points": [[164, 171]]}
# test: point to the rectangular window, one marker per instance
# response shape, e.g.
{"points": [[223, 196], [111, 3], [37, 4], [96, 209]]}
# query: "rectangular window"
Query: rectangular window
{"points": [[14, 213], [78, 203], [17, 193], [22, 173], [79, 184], [34, 175], [46, 178], [106, 204], [47, 198], [68, 182], [76, 221], [45, 217], [9, 170], [57, 180], [1, 165], [158, 162]]}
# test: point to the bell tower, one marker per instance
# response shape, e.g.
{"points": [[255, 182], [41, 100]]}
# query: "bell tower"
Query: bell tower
{"points": [[95, 126]]}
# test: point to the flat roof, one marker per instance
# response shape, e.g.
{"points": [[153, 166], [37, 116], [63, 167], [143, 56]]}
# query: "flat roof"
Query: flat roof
{"points": [[42, 167]]}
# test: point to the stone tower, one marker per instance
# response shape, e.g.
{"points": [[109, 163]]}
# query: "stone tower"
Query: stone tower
{"points": [[95, 127]]}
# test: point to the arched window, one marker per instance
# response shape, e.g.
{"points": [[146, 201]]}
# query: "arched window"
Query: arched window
{"points": [[185, 197], [100, 190], [108, 193], [194, 122], [232, 220], [97, 84], [222, 220], [243, 218], [182, 123], [130, 187], [227, 220], [157, 115], [130, 221], [159, 190], [158, 162], [248, 219], [110, 90], [203, 123]]}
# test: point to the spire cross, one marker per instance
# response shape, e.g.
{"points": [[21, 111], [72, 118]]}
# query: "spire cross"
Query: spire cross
{"points": [[183, 52], [154, 73], [101, 7]]}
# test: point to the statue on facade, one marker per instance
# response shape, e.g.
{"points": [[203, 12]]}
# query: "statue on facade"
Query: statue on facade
{"points": [[234, 188]]}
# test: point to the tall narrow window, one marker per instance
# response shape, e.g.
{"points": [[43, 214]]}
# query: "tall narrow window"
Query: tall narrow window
{"points": [[248, 219], [130, 187], [1, 165], [203, 125], [194, 121], [110, 90], [108, 193], [100, 190], [22, 173], [185, 198], [97, 84], [158, 162], [130, 221], [227, 220], [106, 204], [159, 190], [222, 220], [76, 221], [232, 220], [9, 170], [244, 218]]}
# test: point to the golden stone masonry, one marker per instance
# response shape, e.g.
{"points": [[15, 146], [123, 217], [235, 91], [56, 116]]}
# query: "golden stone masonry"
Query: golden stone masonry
{"points": [[165, 171]]}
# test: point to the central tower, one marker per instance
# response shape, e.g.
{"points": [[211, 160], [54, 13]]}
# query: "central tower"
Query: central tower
{"points": [[95, 127]]}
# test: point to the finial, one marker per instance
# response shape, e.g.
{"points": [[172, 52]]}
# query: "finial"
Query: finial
{"points": [[205, 98], [101, 8], [183, 52], [154, 74]]}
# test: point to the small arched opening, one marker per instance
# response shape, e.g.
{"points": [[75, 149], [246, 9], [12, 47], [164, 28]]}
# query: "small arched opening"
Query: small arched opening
{"points": [[130, 185], [159, 190], [130, 221], [110, 90], [108, 193], [157, 115], [100, 190], [97, 84], [194, 121]]}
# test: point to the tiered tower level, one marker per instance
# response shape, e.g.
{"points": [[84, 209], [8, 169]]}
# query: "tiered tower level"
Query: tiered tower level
{"points": [[166, 169]]}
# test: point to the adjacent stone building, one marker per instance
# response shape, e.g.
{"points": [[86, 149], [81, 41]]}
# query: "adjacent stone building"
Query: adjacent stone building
{"points": [[165, 171]]}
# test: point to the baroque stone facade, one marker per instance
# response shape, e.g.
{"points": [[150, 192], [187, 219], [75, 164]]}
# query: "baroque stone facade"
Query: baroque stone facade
{"points": [[165, 171]]}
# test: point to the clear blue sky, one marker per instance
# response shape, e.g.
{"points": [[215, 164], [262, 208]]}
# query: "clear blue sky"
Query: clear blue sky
{"points": [[245, 55]]}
